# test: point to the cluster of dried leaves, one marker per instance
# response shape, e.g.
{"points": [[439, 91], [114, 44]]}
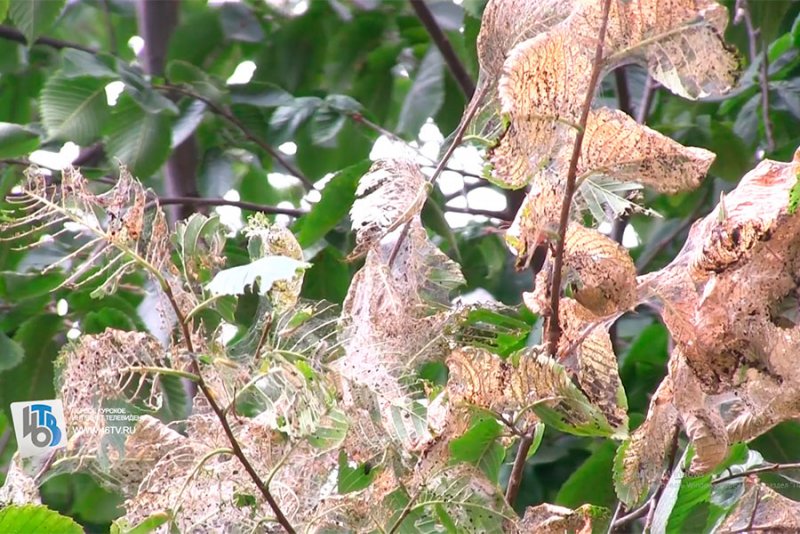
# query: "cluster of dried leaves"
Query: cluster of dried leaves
{"points": [[313, 396]]}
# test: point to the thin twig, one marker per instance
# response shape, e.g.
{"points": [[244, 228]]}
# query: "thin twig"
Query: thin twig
{"points": [[218, 411], [445, 48], [232, 119], [617, 510], [403, 514], [457, 136], [554, 329], [517, 470], [12, 34], [770, 468], [476, 211], [623, 93], [753, 36], [252, 206], [646, 102]]}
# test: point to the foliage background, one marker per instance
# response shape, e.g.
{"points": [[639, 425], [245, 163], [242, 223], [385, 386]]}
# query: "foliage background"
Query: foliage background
{"points": [[331, 77]]}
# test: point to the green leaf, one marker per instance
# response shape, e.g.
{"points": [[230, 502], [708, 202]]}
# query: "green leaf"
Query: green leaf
{"points": [[591, 483], [288, 118], [260, 94], [337, 198], [140, 89], [501, 330], [794, 196], [36, 518], [426, 95], [16, 140], [240, 24], [184, 43], [34, 17], [11, 352], [96, 322], [176, 404], [33, 377], [74, 109], [328, 278], [20, 287], [78, 64], [4, 9], [538, 434], [145, 526], [330, 118], [138, 139], [778, 445], [183, 72], [352, 479], [480, 447], [267, 271]]}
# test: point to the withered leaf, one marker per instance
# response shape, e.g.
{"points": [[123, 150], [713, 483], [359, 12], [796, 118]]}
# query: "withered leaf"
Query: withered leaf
{"points": [[640, 461], [389, 195], [761, 509]]}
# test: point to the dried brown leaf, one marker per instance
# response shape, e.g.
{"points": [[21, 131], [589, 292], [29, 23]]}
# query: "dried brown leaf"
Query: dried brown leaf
{"points": [[640, 461], [552, 519], [734, 367], [389, 195], [761, 509]]}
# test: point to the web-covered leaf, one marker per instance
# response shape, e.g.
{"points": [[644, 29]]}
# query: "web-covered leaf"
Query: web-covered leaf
{"points": [[640, 460], [552, 519], [528, 381], [389, 195], [115, 232], [397, 304], [722, 299], [762, 509], [545, 78]]}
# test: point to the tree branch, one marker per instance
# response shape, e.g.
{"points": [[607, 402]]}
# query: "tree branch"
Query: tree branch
{"points": [[554, 329], [517, 470], [770, 468], [12, 34], [475, 211], [218, 411], [233, 120], [457, 136], [252, 206], [445, 48]]}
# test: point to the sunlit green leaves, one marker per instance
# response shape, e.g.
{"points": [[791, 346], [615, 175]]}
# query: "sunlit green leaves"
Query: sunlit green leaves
{"points": [[36, 518]]}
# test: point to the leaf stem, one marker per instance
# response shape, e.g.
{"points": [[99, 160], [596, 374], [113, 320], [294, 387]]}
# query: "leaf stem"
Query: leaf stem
{"points": [[554, 328]]}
